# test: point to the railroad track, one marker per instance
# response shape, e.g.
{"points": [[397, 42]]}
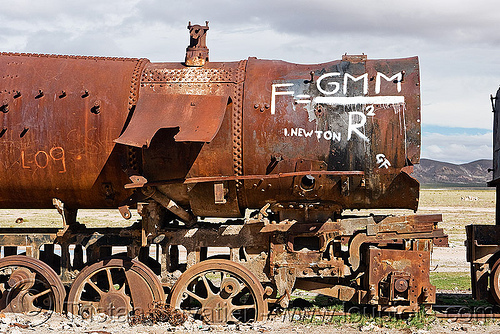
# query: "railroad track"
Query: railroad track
{"points": [[457, 313]]}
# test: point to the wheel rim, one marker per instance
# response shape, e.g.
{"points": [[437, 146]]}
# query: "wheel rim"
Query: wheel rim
{"points": [[495, 282], [219, 291], [115, 287], [29, 285]]}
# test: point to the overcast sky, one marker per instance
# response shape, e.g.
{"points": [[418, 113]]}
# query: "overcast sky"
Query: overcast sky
{"points": [[458, 43]]}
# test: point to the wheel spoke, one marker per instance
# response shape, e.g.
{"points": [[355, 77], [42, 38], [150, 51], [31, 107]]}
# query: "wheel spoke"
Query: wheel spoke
{"points": [[232, 318], [242, 307], [40, 294], [96, 288], [28, 305], [207, 286], [110, 280], [122, 289], [235, 308], [193, 312], [195, 296]]}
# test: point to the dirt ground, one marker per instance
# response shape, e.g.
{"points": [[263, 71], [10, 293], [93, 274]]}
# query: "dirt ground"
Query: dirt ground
{"points": [[459, 208], [60, 324]]}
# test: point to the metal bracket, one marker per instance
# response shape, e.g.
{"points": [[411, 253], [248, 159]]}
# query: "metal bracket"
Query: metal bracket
{"points": [[125, 212], [138, 181]]}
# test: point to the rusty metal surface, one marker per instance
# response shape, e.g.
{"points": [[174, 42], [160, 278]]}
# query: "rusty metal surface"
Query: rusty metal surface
{"points": [[197, 117], [290, 255], [399, 280], [275, 131], [60, 117], [220, 291], [114, 286], [159, 313], [482, 245], [167, 161], [30, 278], [197, 51], [297, 143], [317, 117], [280, 136]]}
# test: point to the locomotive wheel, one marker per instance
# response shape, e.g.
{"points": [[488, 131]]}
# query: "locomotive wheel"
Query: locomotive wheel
{"points": [[495, 282], [114, 286], [29, 285], [219, 291]]}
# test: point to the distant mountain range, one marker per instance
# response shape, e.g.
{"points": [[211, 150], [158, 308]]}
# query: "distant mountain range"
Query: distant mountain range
{"points": [[437, 173]]}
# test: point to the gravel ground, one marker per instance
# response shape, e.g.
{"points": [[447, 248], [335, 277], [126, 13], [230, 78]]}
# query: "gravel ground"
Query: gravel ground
{"points": [[14, 324]]}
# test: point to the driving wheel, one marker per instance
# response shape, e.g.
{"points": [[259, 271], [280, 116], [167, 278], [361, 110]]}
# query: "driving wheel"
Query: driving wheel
{"points": [[116, 287], [28, 285], [219, 291]]}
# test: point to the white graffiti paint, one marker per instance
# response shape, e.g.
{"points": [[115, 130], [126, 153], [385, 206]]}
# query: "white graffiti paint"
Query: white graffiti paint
{"points": [[354, 100], [354, 126], [363, 77], [335, 85], [396, 77], [357, 121], [370, 110], [300, 132], [274, 93], [357, 107], [329, 88], [382, 161]]}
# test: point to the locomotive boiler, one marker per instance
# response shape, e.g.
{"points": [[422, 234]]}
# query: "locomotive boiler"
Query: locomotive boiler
{"points": [[274, 152]]}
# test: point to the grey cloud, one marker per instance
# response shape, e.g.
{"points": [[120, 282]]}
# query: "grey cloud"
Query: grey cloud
{"points": [[444, 21], [65, 43]]}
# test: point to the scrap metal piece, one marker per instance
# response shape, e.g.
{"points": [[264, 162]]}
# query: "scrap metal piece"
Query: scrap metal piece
{"points": [[170, 205], [399, 280], [138, 181], [197, 117], [125, 211]]}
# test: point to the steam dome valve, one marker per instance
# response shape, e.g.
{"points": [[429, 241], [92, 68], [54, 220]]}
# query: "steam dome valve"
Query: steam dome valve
{"points": [[197, 51]]}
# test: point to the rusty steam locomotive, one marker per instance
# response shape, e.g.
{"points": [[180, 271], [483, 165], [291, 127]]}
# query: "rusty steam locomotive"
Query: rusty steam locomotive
{"points": [[276, 151]]}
